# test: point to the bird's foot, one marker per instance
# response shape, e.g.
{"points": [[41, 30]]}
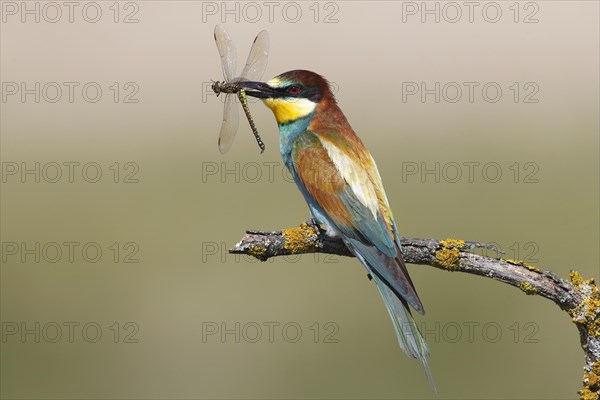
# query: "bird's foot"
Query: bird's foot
{"points": [[314, 223]]}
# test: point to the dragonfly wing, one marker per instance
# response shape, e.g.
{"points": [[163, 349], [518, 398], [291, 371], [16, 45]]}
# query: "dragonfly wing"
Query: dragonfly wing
{"points": [[258, 57], [230, 124], [226, 51]]}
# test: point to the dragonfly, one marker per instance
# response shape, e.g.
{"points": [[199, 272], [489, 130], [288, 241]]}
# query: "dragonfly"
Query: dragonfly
{"points": [[253, 71]]}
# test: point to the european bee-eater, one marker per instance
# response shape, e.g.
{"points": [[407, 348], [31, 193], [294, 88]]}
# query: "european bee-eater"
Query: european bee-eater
{"points": [[341, 184]]}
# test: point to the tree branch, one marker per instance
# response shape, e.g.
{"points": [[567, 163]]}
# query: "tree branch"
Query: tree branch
{"points": [[579, 298]]}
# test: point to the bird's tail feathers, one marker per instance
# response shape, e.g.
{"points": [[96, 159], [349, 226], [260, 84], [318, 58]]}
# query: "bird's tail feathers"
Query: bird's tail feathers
{"points": [[407, 332]]}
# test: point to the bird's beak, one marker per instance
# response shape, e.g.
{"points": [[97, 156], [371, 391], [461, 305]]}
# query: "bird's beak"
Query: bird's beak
{"points": [[260, 90]]}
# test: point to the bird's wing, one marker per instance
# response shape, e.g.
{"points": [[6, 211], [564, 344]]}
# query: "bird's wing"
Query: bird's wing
{"points": [[347, 188]]}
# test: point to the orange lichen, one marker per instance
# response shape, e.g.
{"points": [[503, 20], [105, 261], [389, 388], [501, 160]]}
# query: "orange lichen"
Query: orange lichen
{"points": [[591, 383], [528, 288], [587, 312], [522, 263], [258, 252], [301, 240], [448, 256]]}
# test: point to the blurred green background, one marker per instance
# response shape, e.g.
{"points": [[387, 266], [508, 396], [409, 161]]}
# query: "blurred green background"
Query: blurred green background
{"points": [[175, 205]]}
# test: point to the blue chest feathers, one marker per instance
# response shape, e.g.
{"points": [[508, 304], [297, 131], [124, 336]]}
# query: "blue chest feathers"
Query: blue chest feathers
{"points": [[288, 133]]}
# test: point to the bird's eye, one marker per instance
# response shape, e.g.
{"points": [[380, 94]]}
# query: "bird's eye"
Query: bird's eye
{"points": [[293, 90]]}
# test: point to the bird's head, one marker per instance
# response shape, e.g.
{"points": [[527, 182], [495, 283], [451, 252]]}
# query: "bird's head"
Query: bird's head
{"points": [[292, 95]]}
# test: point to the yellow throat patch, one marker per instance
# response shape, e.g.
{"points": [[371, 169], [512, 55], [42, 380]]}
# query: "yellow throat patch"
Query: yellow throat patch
{"points": [[288, 109]]}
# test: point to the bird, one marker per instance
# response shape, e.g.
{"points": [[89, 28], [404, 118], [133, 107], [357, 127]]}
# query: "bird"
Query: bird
{"points": [[342, 186]]}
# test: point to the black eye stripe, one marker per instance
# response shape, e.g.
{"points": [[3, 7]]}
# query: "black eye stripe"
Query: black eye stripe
{"points": [[310, 93], [313, 94]]}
